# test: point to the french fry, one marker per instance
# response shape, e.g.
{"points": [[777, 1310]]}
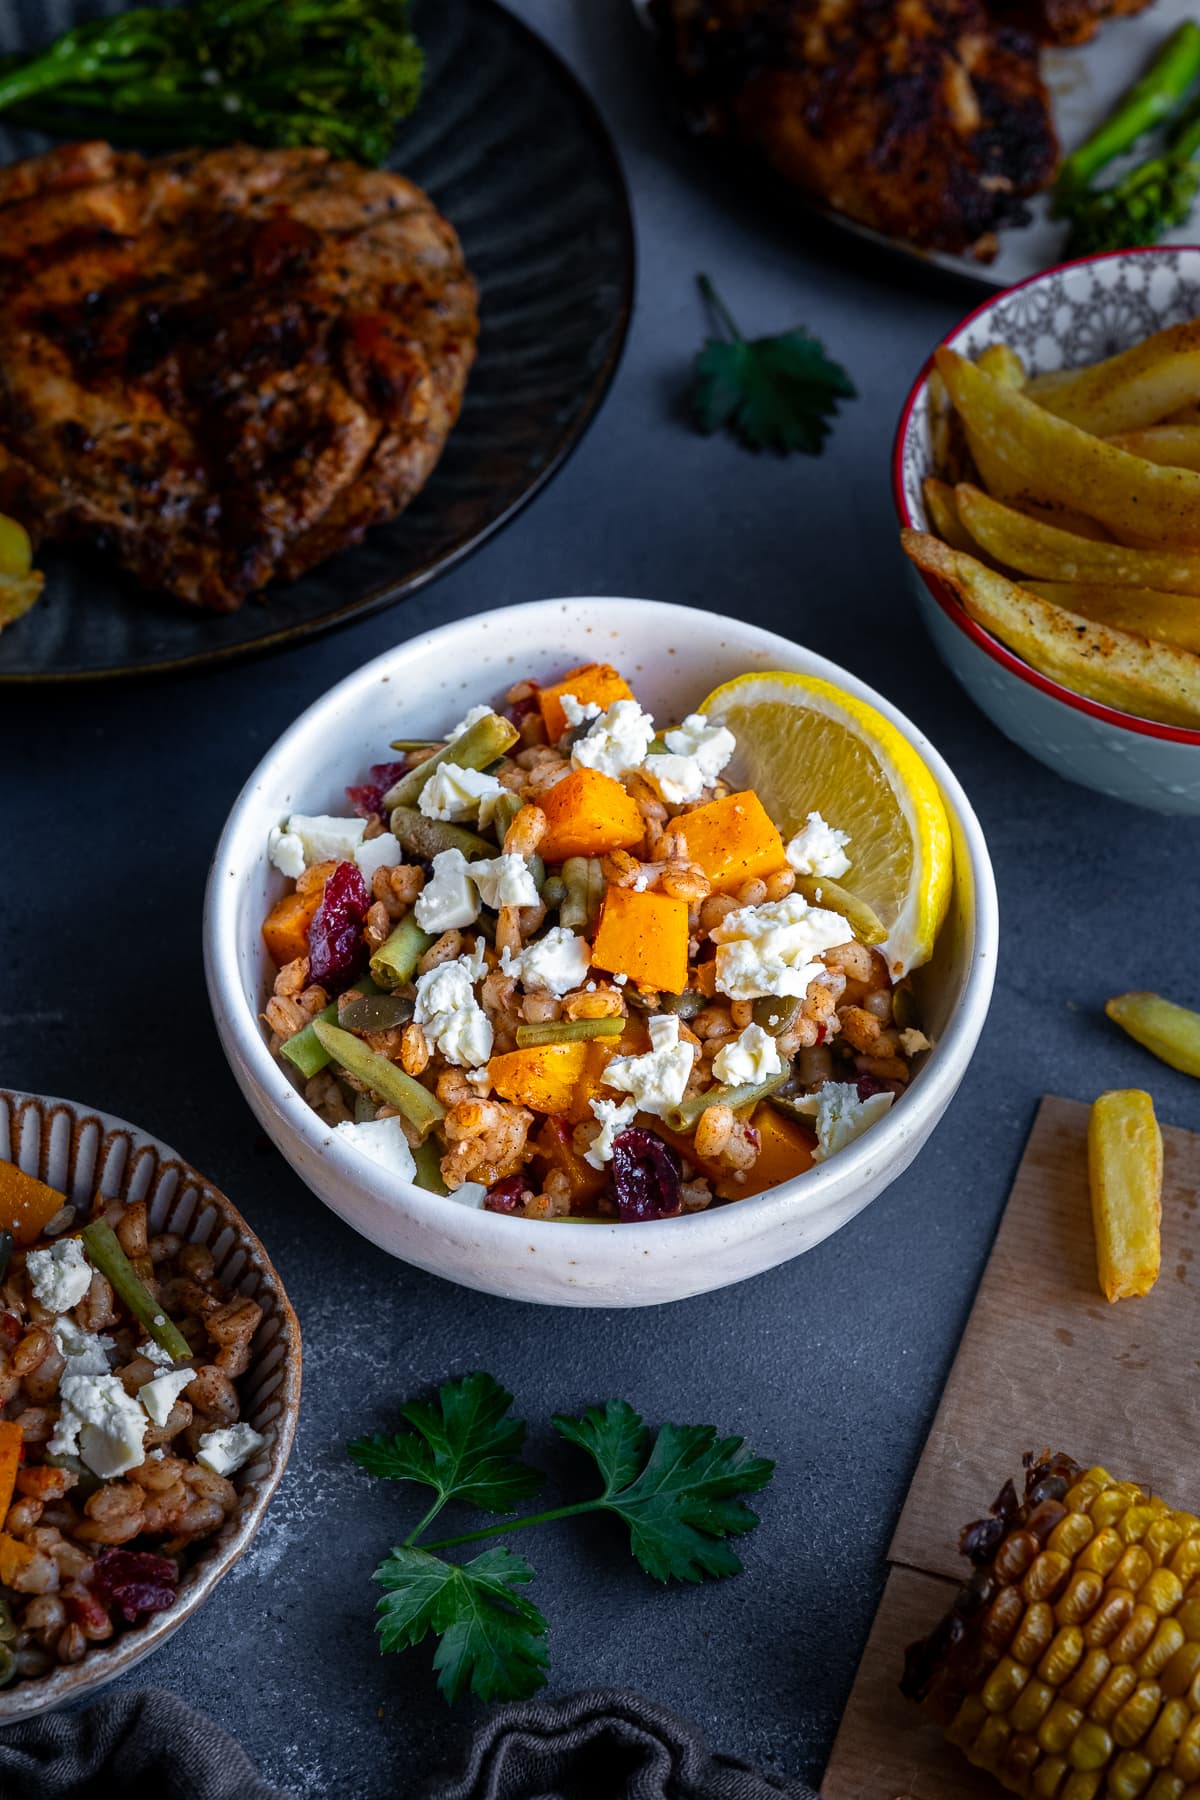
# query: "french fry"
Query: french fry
{"points": [[1125, 1170], [1002, 363], [1178, 446], [943, 515], [1037, 548], [1170, 1032], [1004, 483], [1152, 681], [1147, 612], [1061, 462], [1130, 391]]}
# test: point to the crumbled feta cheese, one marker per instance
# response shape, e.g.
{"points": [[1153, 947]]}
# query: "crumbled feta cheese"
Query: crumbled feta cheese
{"points": [[159, 1396], [469, 1193], [614, 1116], [819, 850], [324, 838], [59, 1276], [448, 1013], [618, 740], [656, 1080], [382, 852], [156, 1354], [447, 899], [576, 714], [286, 851], [773, 949], [557, 962], [504, 881], [842, 1116], [100, 1423], [696, 754], [473, 717], [750, 1058], [455, 793], [382, 1141], [912, 1041], [619, 979], [224, 1451], [85, 1351]]}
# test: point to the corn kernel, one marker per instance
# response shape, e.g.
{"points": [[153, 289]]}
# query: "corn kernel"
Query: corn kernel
{"points": [[1186, 1761], [1134, 1568], [1032, 1706], [965, 1725], [1111, 1506], [1047, 1574], [1139, 1519], [1059, 1727], [1015, 1555], [1129, 1643], [1090, 1748], [1161, 1648], [1071, 1535], [1182, 1670], [1002, 1618], [1063, 1657], [1162, 1741], [1163, 1591], [1110, 1617], [1138, 1714], [1081, 1787], [1162, 1538], [1003, 1685], [1021, 1758], [987, 1752], [1049, 1776], [1081, 1497], [1129, 1776], [1189, 1616], [1088, 1679], [1033, 1634], [1103, 1553], [1113, 1695], [1186, 1561], [1165, 1786], [1082, 1596]]}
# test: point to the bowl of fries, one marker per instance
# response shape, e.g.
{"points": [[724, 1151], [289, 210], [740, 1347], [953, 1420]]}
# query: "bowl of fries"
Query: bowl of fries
{"points": [[1047, 479]]}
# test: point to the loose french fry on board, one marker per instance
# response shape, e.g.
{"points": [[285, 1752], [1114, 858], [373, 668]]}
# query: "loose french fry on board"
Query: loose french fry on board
{"points": [[1170, 1032], [1125, 1171]]}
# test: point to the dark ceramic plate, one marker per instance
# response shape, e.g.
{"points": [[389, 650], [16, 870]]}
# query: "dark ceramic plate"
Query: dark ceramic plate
{"points": [[514, 153]]}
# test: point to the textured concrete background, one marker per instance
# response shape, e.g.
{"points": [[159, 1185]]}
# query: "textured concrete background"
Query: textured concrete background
{"points": [[112, 801]]}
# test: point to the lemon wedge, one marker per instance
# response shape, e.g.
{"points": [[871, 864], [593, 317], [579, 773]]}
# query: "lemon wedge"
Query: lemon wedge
{"points": [[805, 746]]}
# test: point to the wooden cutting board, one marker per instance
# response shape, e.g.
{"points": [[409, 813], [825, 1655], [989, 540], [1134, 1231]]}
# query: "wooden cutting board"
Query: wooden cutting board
{"points": [[1045, 1362]]}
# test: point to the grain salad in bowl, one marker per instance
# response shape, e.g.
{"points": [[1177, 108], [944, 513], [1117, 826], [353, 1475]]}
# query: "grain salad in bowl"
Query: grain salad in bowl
{"points": [[571, 961]]}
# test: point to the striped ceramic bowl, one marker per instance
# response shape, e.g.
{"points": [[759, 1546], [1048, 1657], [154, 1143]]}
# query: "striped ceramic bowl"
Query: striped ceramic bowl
{"points": [[81, 1153]]}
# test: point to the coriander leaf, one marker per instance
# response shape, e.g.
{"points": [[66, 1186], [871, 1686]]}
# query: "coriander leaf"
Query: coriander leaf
{"points": [[463, 1446], [681, 1502], [774, 393], [493, 1640]]}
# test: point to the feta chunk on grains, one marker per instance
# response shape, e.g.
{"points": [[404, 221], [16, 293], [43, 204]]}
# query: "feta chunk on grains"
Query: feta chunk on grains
{"points": [[448, 899], [657, 1079], [557, 962], [101, 1424], [382, 1141], [841, 1116], [695, 756], [456, 793], [819, 850], [774, 949], [749, 1059], [503, 880], [449, 1014], [59, 1276], [613, 1116], [616, 741], [226, 1450]]}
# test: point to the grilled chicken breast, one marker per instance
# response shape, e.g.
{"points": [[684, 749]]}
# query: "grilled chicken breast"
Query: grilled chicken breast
{"points": [[222, 367], [925, 119], [1068, 21]]}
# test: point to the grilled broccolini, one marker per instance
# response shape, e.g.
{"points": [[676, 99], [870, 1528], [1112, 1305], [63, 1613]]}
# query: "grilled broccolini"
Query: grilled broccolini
{"points": [[1069, 1666], [334, 73]]}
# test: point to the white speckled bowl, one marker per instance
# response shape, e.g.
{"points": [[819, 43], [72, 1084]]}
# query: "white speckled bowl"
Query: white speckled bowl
{"points": [[1065, 317], [671, 656], [81, 1153]]}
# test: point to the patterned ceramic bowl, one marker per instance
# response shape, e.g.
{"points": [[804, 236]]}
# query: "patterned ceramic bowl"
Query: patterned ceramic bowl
{"points": [[81, 1152], [1076, 314]]}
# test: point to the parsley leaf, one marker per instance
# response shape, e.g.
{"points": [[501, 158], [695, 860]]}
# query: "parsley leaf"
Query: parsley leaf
{"points": [[493, 1640], [463, 1446], [681, 1502], [774, 393]]}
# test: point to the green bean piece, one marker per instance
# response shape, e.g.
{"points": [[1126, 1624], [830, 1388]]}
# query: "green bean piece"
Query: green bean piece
{"points": [[8, 1625], [573, 909], [6, 1250], [866, 924], [428, 1158], [485, 742], [554, 891], [396, 959], [568, 1031], [86, 1482], [777, 1013], [408, 744], [426, 838], [8, 1665], [305, 1051], [792, 1107], [685, 1116], [375, 1012], [106, 1255], [684, 1006], [504, 812], [421, 1108], [537, 869]]}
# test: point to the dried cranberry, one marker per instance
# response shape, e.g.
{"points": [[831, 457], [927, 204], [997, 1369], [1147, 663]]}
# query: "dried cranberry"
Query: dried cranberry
{"points": [[520, 710], [508, 1196], [10, 1327], [870, 1084], [368, 798], [134, 1582], [335, 947], [646, 1176]]}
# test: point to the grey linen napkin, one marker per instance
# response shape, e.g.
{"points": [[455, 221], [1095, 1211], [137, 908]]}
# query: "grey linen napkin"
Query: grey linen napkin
{"points": [[602, 1746], [144, 1746]]}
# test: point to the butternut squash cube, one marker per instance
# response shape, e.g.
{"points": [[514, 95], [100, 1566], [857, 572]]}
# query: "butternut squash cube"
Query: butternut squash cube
{"points": [[285, 928], [26, 1204], [543, 1077], [732, 840], [553, 1142], [644, 936], [596, 682], [588, 814]]}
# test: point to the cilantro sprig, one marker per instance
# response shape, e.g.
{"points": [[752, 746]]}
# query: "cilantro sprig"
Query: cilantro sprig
{"points": [[678, 1492], [774, 393]]}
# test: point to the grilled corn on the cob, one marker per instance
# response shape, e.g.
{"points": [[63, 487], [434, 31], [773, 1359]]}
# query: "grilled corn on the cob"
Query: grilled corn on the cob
{"points": [[1069, 1665]]}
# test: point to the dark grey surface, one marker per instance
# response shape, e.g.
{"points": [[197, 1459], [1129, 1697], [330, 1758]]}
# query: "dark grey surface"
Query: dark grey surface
{"points": [[112, 802]]}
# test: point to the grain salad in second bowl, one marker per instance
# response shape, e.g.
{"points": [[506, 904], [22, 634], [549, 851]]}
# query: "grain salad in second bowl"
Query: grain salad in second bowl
{"points": [[561, 963]]}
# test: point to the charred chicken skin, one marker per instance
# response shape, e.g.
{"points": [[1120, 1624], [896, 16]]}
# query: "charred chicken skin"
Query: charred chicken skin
{"points": [[926, 119], [222, 367]]}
